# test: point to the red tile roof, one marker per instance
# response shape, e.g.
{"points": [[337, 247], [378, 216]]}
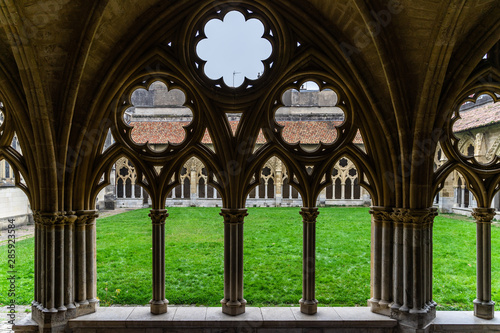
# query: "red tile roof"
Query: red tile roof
{"points": [[308, 132], [483, 115]]}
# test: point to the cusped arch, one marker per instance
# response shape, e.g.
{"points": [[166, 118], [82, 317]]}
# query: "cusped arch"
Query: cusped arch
{"points": [[365, 173], [170, 177], [468, 178], [101, 176], [22, 181]]}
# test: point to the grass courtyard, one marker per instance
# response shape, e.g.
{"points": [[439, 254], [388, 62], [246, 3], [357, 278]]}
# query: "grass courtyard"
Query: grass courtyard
{"points": [[273, 258]]}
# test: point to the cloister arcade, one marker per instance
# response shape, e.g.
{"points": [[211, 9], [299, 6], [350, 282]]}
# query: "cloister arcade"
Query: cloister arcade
{"points": [[400, 71]]}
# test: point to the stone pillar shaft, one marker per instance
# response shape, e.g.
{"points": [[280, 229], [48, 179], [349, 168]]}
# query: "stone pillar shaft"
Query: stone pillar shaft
{"points": [[484, 307], [233, 302], [158, 303], [417, 308], [308, 303], [382, 260]]}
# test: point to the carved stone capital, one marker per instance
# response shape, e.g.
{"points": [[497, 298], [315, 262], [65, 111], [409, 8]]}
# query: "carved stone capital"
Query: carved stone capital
{"points": [[70, 218], [416, 217], [48, 218], [86, 217], [382, 214], [309, 214], [158, 216], [235, 216], [483, 215]]}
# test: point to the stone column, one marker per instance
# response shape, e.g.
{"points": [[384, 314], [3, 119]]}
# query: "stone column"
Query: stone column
{"points": [[159, 302], [85, 262], [418, 308], [69, 283], [48, 308], [342, 191], [233, 302], [382, 260], [308, 302], [462, 195], [484, 307]]}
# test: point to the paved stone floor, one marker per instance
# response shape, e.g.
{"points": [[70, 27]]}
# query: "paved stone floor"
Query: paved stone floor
{"points": [[5, 327]]}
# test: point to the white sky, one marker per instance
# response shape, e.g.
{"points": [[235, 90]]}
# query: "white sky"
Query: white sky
{"points": [[234, 45]]}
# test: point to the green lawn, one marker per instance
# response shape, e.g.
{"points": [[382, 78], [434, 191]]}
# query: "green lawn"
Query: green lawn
{"points": [[273, 247]]}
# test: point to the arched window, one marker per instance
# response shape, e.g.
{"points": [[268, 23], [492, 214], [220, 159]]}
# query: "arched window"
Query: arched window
{"points": [[201, 188], [357, 189], [338, 189], [119, 188], [270, 188], [470, 151], [187, 188], [348, 192]]}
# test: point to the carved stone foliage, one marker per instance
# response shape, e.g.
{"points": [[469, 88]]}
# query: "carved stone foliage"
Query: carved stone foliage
{"points": [[416, 217], [235, 216], [158, 216], [309, 215], [483, 215]]}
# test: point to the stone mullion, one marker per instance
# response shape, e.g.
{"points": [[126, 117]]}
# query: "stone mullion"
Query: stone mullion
{"points": [[158, 303], [483, 305], [233, 302], [308, 303]]}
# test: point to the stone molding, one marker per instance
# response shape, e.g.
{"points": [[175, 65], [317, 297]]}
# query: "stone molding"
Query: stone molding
{"points": [[415, 217], [382, 214], [48, 218], [483, 215], [86, 216], [309, 214], [233, 216], [158, 216]]}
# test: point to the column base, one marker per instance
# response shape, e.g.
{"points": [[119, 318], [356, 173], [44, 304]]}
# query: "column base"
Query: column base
{"points": [[49, 320], [308, 307], [86, 307], [415, 319], [159, 307], [233, 308], [380, 307], [485, 310]]}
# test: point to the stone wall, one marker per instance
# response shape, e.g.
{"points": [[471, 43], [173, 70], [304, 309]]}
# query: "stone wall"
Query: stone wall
{"points": [[14, 204]]}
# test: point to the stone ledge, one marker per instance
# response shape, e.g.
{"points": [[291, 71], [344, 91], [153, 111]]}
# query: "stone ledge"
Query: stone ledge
{"points": [[262, 320]]}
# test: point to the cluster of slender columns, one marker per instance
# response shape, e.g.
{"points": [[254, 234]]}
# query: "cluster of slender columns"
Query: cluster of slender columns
{"points": [[65, 266], [402, 264], [484, 307]]}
